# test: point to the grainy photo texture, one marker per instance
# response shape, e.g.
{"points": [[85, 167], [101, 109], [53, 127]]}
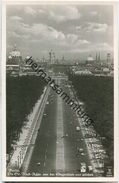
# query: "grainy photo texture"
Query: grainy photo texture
{"points": [[60, 90]]}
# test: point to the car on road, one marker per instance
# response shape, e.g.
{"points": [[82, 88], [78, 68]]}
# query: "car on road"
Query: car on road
{"points": [[83, 154], [80, 149], [77, 128]]}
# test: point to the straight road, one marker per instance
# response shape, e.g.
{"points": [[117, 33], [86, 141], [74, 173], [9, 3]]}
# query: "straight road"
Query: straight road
{"points": [[44, 154], [60, 149]]}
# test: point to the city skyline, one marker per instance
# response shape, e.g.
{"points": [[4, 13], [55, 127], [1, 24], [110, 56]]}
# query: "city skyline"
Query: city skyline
{"points": [[72, 31]]}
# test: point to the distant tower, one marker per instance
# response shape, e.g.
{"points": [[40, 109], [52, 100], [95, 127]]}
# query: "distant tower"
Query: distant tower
{"points": [[51, 57], [99, 57], [96, 58], [108, 59], [63, 59], [53, 61]]}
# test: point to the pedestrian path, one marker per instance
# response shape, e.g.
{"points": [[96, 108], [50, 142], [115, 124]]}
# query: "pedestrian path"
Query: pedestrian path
{"points": [[23, 143]]}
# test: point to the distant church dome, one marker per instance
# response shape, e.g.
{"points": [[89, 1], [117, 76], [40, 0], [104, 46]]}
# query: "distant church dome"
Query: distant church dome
{"points": [[15, 53], [14, 57], [90, 58]]}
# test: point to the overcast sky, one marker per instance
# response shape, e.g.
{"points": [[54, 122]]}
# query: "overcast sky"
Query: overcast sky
{"points": [[74, 31]]}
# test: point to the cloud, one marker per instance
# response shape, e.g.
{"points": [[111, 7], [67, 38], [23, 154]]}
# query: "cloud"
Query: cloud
{"points": [[78, 28], [51, 29], [41, 11], [16, 18], [14, 34], [64, 13], [18, 36], [93, 13], [84, 41], [35, 31], [72, 38], [29, 10], [96, 27], [44, 34], [104, 46], [57, 14]]}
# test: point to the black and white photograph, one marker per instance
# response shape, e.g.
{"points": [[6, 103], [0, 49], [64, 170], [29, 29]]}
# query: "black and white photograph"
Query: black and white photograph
{"points": [[60, 90]]}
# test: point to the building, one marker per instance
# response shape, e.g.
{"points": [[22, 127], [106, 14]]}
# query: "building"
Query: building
{"points": [[109, 60], [26, 68], [14, 61], [90, 60], [83, 72], [52, 58]]}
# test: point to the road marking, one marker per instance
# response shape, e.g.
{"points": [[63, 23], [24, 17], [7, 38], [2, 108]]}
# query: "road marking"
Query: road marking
{"points": [[60, 163]]}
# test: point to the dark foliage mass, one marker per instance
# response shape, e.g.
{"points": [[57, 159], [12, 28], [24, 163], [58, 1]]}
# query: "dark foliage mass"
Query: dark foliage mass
{"points": [[21, 95], [97, 94]]}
